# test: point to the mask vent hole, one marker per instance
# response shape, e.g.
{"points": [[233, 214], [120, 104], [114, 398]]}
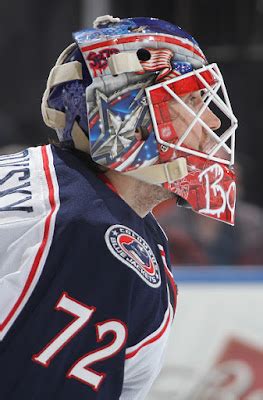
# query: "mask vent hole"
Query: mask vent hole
{"points": [[143, 55]]}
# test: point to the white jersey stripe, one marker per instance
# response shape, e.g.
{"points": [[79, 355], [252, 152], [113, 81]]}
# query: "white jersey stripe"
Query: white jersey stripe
{"points": [[30, 251], [145, 362], [132, 351]]}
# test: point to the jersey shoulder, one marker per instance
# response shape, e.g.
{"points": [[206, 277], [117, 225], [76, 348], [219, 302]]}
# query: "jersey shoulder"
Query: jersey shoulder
{"points": [[83, 195]]}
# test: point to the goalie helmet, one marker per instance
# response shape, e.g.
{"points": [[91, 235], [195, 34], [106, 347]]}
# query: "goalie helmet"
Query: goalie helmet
{"points": [[139, 96]]}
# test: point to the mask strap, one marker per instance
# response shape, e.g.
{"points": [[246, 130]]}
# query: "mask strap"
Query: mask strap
{"points": [[161, 173]]}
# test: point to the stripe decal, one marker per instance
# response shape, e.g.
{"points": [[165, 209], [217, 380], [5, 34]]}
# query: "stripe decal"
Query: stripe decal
{"points": [[219, 275], [38, 262], [171, 282], [152, 36]]}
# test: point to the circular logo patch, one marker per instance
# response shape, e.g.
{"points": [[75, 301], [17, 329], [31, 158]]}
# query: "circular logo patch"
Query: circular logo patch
{"points": [[131, 249]]}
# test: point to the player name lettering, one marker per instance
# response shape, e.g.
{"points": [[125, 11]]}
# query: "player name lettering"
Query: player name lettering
{"points": [[15, 192]]}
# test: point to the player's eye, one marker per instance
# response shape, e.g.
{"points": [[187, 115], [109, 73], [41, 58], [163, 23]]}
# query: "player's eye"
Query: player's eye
{"points": [[192, 99], [195, 99], [203, 93]]}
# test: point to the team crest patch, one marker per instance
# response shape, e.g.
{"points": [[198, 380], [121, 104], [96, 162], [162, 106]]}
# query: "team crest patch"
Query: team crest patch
{"points": [[131, 249]]}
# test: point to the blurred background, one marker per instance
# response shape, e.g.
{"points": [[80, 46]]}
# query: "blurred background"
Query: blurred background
{"points": [[224, 264]]}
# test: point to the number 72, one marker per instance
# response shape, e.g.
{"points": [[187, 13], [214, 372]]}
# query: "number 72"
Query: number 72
{"points": [[81, 370]]}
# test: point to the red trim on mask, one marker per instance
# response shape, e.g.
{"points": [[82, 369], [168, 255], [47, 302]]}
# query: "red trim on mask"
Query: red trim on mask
{"points": [[139, 38], [182, 87]]}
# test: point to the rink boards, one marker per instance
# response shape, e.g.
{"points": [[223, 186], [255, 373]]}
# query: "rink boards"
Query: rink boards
{"points": [[216, 346]]}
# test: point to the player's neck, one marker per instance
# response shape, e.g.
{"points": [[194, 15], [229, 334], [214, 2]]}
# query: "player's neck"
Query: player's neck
{"points": [[140, 196]]}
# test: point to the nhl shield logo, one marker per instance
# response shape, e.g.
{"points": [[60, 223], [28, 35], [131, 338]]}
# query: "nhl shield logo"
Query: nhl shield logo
{"points": [[131, 249]]}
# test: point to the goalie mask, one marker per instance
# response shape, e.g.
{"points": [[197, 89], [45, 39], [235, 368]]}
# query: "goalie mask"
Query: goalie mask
{"points": [[139, 96]]}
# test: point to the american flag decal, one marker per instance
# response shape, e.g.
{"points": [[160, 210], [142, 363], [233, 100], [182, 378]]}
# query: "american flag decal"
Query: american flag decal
{"points": [[160, 61]]}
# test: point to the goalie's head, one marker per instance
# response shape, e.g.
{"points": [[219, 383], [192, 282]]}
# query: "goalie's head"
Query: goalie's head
{"points": [[139, 96]]}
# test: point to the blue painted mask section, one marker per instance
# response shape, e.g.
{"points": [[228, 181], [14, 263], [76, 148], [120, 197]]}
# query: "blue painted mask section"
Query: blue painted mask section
{"points": [[131, 26], [182, 67], [148, 152], [158, 25], [70, 97], [121, 28]]}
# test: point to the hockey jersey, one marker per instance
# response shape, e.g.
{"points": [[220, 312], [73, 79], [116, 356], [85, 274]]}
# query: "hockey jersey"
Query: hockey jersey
{"points": [[86, 296]]}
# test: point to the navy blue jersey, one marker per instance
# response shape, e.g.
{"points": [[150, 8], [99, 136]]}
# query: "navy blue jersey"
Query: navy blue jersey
{"points": [[87, 298]]}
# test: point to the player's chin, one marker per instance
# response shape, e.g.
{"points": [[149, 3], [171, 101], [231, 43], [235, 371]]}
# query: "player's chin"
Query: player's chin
{"points": [[163, 194]]}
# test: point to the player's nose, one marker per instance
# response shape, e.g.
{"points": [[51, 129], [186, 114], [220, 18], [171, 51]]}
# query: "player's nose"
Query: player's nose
{"points": [[211, 119]]}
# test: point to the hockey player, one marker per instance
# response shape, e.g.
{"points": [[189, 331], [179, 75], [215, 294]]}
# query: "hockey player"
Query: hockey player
{"points": [[87, 296]]}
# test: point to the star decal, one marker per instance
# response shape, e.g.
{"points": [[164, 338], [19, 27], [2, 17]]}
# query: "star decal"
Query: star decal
{"points": [[116, 133]]}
